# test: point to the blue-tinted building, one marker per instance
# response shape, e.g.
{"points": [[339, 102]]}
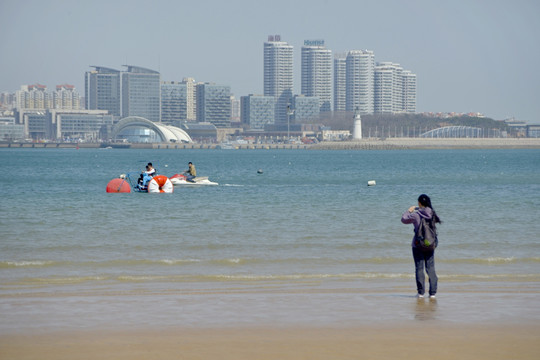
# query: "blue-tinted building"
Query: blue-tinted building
{"points": [[174, 104], [141, 93], [103, 90], [306, 108], [257, 111], [214, 104]]}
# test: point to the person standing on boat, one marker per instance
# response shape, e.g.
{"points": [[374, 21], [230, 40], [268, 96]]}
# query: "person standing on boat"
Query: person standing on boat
{"points": [[191, 173], [422, 257]]}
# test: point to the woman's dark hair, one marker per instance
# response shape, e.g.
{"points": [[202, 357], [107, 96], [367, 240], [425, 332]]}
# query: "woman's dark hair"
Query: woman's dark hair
{"points": [[425, 201]]}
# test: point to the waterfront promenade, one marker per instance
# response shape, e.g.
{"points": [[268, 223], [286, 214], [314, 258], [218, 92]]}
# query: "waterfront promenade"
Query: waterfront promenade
{"points": [[364, 144]]}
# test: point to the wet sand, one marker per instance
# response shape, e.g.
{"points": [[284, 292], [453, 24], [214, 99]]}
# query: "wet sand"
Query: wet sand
{"points": [[364, 342]]}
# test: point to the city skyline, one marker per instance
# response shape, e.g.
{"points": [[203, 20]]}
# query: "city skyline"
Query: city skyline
{"points": [[468, 55]]}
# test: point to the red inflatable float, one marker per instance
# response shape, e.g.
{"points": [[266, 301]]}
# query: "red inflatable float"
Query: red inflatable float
{"points": [[118, 186]]}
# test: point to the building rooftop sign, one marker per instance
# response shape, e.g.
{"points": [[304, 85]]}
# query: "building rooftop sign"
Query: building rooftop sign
{"points": [[313, 42]]}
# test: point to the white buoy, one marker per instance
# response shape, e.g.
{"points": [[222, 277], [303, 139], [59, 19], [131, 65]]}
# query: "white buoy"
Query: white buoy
{"points": [[371, 183], [259, 171]]}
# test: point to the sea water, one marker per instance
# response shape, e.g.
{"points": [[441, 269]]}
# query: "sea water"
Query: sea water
{"points": [[288, 236]]}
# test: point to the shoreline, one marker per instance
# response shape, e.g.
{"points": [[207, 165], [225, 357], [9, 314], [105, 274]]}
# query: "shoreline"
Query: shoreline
{"points": [[364, 144], [401, 341]]}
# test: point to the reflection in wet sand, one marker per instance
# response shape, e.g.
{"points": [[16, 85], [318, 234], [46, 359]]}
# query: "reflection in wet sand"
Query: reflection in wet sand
{"points": [[425, 309]]}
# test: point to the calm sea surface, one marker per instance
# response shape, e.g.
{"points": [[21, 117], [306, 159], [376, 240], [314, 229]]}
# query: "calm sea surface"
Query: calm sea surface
{"points": [[306, 240]]}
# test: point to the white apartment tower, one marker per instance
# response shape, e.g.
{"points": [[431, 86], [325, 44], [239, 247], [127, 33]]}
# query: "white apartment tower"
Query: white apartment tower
{"points": [[66, 98], [33, 97], [340, 81], [409, 92], [388, 88], [278, 75], [395, 89], [317, 73], [360, 72], [191, 98]]}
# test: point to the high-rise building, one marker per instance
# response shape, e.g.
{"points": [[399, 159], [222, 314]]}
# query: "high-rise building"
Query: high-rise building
{"points": [[191, 98], [340, 82], [395, 89], [66, 98], [103, 90], [214, 104], [317, 73], [278, 75], [141, 93], [257, 111], [235, 109], [409, 92], [173, 102], [360, 71], [33, 97]]}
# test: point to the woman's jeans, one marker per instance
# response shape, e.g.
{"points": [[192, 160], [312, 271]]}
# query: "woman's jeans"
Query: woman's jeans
{"points": [[428, 258]]}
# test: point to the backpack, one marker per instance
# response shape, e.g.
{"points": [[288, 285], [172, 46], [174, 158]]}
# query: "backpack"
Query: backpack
{"points": [[425, 237]]}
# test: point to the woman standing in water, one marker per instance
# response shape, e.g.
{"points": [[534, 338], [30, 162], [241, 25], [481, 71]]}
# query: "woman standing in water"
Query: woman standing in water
{"points": [[423, 257]]}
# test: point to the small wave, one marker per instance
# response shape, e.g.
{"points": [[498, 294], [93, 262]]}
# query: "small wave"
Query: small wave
{"points": [[492, 260], [178, 261], [229, 261], [35, 263], [284, 277], [62, 281]]}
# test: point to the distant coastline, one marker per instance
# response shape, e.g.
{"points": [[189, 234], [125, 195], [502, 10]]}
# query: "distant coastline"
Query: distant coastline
{"points": [[364, 144]]}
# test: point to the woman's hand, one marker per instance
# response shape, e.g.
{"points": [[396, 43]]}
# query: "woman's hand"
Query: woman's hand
{"points": [[412, 208]]}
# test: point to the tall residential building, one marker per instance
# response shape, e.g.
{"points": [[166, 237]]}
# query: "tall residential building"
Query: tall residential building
{"points": [[317, 73], [66, 98], [395, 89], [340, 82], [7, 101], [173, 102], [257, 111], [141, 93], [214, 104], [360, 69], [409, 92], [191, 98], [33, 97], [103, 90], [235, 109], [278, 75]]}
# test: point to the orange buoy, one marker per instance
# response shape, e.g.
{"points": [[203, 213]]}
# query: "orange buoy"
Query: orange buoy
{"points": [[160, 184], [118, 186]]}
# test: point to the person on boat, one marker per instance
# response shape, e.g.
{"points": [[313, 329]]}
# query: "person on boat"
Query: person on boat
{"points": [[147, 175], [191, 173], [150, 170]]}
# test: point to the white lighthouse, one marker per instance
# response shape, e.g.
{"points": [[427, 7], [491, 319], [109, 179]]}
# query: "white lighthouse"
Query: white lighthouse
{"points": [[357, 131]]}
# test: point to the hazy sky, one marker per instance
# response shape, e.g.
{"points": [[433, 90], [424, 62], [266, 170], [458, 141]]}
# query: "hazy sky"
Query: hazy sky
{"points": [[469, 55]]}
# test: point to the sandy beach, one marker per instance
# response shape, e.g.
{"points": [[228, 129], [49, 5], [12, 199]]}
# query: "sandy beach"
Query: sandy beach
{"points": [[366, 342], [497, 322]]}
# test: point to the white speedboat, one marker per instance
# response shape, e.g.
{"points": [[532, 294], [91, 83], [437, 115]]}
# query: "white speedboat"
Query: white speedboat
{"points": [[180, 179]]}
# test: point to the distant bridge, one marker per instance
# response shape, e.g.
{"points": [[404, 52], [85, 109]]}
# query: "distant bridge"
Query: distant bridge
{"points": [[454, 132]]}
